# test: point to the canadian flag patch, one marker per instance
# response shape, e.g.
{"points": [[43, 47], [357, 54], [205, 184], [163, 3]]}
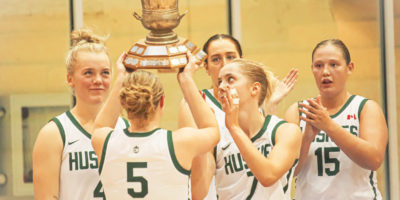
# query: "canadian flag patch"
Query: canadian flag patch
{"points": [[353, 116]]}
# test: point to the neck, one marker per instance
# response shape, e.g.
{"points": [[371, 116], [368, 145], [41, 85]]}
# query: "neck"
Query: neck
{"points": [[250, 120], [86, 115], [85, 112], [215, 93], [335, 102], [151, 124]]}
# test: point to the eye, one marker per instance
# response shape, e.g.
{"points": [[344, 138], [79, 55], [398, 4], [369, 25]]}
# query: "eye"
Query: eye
{"points": [[106, 72], [230, 79], [317, 65], [230, 57], [334, 65], [215, 59], [88, 72]]}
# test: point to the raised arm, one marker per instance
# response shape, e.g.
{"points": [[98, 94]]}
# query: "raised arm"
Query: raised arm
{"points": [[47, 155], [367, 150], [283, 155], [203, 166], [282, 88], [108, 116], [191, 142]]}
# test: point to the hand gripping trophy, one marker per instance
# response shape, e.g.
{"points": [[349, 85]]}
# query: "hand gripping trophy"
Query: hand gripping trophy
{"points": [[162, 49]]}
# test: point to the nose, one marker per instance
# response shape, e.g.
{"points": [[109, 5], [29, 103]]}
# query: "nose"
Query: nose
{"points": [[224, 61], [325, 71], [222, 85], [97, 79]]}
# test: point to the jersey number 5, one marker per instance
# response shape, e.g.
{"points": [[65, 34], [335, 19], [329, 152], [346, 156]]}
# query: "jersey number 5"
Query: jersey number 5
{"points": [[140, 179], [327, 160]]}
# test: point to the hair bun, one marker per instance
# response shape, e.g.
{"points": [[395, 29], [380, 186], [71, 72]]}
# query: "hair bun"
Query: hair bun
{"points": [[84, 35]]}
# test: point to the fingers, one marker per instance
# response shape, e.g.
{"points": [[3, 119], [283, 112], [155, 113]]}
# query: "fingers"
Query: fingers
{"points": [[309, 115], [229, 98], [291, 78]]}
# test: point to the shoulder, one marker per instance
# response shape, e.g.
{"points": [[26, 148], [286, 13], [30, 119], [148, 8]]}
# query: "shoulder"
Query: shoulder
{"points": [[369, 107], [288, 131], [50, 131], [292, 113], [49, 137]]}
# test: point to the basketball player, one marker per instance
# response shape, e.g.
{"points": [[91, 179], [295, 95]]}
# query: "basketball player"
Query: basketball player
{"points": [[220, 50], [345, 135], [64, 163], [256, 154], [145, 161]]}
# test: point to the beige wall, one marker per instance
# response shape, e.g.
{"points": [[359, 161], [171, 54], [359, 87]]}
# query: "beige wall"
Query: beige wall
{"points": [[281, 34]]}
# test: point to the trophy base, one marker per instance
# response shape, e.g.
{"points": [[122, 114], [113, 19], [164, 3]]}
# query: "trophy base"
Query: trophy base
{"points": [[165, 58]]}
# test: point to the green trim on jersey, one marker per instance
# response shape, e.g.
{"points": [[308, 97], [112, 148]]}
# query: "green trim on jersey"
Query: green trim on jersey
{"points": [[77, 125], [212, 98], [289, 175], [103, 154], [139, 134], [60, 128], [127, 125], [262, 130], [274, 131], [362, 104], [344, 106], [371, 181], [173, 156]]}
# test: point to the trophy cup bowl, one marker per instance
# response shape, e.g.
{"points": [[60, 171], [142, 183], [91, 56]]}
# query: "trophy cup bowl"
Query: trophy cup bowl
{"points": [[162, 49]]}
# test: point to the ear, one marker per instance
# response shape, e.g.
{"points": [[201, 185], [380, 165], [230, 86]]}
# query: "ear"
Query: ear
{"points": [[350, 68], [255, 89], [162, 102], [69, 80]]}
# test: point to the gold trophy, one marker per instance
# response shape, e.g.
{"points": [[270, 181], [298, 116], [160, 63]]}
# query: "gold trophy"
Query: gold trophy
{"points": [[162, 49]]}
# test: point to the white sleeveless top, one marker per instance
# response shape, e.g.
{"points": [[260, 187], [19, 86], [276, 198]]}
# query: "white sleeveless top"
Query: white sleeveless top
{"points": [[79, 176], [143, 166], [329, 173], [233, 178]]}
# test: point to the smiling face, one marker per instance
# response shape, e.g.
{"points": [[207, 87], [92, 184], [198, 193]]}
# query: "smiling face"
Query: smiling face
{"points": [[91, 77], [330, 70], [220, 52]]}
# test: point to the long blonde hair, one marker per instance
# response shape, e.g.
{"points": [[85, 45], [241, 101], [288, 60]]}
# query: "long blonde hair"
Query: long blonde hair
{"points": [[140, 95]]}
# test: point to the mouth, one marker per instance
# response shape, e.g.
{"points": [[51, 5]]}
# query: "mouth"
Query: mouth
{"points": [[96, 89], [326, 81]]}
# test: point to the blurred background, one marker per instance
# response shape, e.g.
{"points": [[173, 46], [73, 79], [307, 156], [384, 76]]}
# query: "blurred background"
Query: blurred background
{"points": [[34, 39]]}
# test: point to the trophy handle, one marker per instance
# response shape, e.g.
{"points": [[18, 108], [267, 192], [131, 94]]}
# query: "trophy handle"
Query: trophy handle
{"points": [[180, 16], [137, 16]]}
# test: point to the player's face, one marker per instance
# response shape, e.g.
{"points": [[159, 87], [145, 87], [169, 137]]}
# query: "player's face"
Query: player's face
{"points": [[231, 76], [220, 52], [91, 77], [330, 70]]}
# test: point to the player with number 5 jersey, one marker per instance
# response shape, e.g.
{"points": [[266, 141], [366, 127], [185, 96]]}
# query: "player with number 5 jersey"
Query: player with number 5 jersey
{"points": [[344, 135], [145, 161]]}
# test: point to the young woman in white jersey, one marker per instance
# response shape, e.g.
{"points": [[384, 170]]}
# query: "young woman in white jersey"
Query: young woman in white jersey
{"points": [[220, 50], [156, 159], [64, 163], [345, 135], [256, 154]]}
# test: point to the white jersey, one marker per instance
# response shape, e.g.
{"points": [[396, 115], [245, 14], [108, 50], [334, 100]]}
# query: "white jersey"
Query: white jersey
{"points": [[142, 166], [329, 173], [233, 179], [79, 176]]}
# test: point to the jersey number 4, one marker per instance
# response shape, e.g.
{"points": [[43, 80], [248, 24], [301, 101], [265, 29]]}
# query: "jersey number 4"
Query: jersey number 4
{"points": [[324, 157], [138, 179]]}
